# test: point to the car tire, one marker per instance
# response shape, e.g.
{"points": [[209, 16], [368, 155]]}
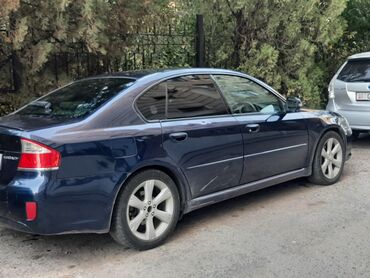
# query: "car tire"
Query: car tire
{"points": [[329, 159], [146, 211]]}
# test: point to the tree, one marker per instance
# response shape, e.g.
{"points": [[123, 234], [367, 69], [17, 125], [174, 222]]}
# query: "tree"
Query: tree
{"points": [[294, 45], [39, 31], [357, 16], [7, 6], [279, 41]]}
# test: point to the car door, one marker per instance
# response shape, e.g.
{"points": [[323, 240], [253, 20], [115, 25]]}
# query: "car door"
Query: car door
{"points": [[199, 133], [275, 142]]}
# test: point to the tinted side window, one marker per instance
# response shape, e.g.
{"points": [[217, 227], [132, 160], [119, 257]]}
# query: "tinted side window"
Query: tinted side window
{"points": [[246, 96], [152, 104], [78, 99], [194, 96], [356, 71]]}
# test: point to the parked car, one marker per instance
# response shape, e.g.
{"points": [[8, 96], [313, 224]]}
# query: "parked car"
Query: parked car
{"points": [[130, 153], [349, 92]]}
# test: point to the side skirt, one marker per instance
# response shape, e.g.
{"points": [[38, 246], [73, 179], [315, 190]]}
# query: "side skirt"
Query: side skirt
{"points": [[245, 188]]}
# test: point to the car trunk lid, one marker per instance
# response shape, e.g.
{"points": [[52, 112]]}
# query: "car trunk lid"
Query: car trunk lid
{"points": [[28, 123], [352, 89], [10, 152], [359, 92], [353, 96]]}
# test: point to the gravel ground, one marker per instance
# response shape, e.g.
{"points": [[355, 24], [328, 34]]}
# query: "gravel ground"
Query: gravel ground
{"points": [[294, 229]]}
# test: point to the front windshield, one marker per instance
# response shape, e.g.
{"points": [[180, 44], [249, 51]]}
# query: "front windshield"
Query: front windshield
{"points": [[78, 99]]}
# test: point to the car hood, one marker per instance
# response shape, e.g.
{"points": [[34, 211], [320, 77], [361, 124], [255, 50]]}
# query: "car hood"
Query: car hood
{"points": [[329, 118], [315, 111], [319, 113]]}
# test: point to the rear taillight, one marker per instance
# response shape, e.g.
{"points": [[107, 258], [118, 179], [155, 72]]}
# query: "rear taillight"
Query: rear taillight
{"points": [[36, 156], [31, 211]]}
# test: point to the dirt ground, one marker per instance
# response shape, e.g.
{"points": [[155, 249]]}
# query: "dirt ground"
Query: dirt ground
{"points": [[294, 229]]}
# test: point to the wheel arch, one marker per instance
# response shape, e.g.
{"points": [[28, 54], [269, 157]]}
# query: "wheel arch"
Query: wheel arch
{"points": [[172, 173], [334, 128]]}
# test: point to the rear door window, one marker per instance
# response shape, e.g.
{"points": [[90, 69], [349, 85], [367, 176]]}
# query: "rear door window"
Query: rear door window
{"points": [[194, 96], [152, 104], [78, 99], [356, 71], [182, 97]]}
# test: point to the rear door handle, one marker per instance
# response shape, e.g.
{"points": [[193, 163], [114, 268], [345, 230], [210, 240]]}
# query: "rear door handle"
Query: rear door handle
{"points": [[253, 128], [179, 136]]}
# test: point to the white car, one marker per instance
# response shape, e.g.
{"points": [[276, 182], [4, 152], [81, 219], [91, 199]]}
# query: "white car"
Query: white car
{"points": [[349, 92]]}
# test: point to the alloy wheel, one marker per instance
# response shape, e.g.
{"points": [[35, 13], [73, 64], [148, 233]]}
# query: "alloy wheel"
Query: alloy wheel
{"points": [[331, 158], [150, 210]]}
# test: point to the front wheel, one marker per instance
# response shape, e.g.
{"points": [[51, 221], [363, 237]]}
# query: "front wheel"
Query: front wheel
{"points": [[146, 211], [329, 159]]}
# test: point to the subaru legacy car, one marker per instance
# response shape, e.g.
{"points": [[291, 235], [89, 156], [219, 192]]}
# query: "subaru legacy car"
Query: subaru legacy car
{"points": [[130, 153], [349, 92]]}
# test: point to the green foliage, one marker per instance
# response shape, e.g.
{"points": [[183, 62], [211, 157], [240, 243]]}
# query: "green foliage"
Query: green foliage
{"points": [[11, 102], [357, 15], [40, 30], [263, 64], [294, 45], [7, 6], [279, 41], [356, 37]]}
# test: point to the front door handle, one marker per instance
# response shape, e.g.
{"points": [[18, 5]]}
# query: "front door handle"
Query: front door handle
{"points": [[253, 128], [179, 136]]}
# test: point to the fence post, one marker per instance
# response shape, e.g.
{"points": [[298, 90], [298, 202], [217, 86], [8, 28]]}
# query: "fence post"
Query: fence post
{"points": [[199, 42]]}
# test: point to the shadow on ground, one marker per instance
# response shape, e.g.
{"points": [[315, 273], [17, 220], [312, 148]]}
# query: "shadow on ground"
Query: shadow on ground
{"points": [[363, 141]]}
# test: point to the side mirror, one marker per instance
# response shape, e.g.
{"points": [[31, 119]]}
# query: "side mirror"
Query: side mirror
{"points": [[293, 104]]}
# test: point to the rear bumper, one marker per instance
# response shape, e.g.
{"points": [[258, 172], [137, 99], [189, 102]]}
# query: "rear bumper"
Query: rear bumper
{"points": [[358, 120], [14, 225], [73, 205], [13, 198]]}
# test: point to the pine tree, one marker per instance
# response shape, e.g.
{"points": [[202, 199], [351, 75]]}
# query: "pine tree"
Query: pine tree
{"points": [[278, 41]]}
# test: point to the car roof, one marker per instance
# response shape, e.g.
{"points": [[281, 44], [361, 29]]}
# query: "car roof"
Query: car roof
{"points": [[137, 74], [360, 56], [158, 74]]}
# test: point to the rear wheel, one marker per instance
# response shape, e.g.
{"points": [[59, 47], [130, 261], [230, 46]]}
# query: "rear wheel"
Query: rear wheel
{"points": [[146, 211], [329, 159]]}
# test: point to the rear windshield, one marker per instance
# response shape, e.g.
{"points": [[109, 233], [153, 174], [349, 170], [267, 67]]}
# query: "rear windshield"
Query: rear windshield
{"points": [[356, 71], [78, 99]]}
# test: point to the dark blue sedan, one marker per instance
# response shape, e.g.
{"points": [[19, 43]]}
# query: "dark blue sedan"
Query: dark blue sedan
{"points": [[130, 153]]}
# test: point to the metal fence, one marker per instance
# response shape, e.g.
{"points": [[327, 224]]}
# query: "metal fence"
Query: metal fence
{"points": [[180, 43], [164, 45]]}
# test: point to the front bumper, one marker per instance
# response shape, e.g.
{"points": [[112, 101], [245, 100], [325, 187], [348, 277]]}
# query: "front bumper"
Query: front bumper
{"points": [[358, 120]]}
